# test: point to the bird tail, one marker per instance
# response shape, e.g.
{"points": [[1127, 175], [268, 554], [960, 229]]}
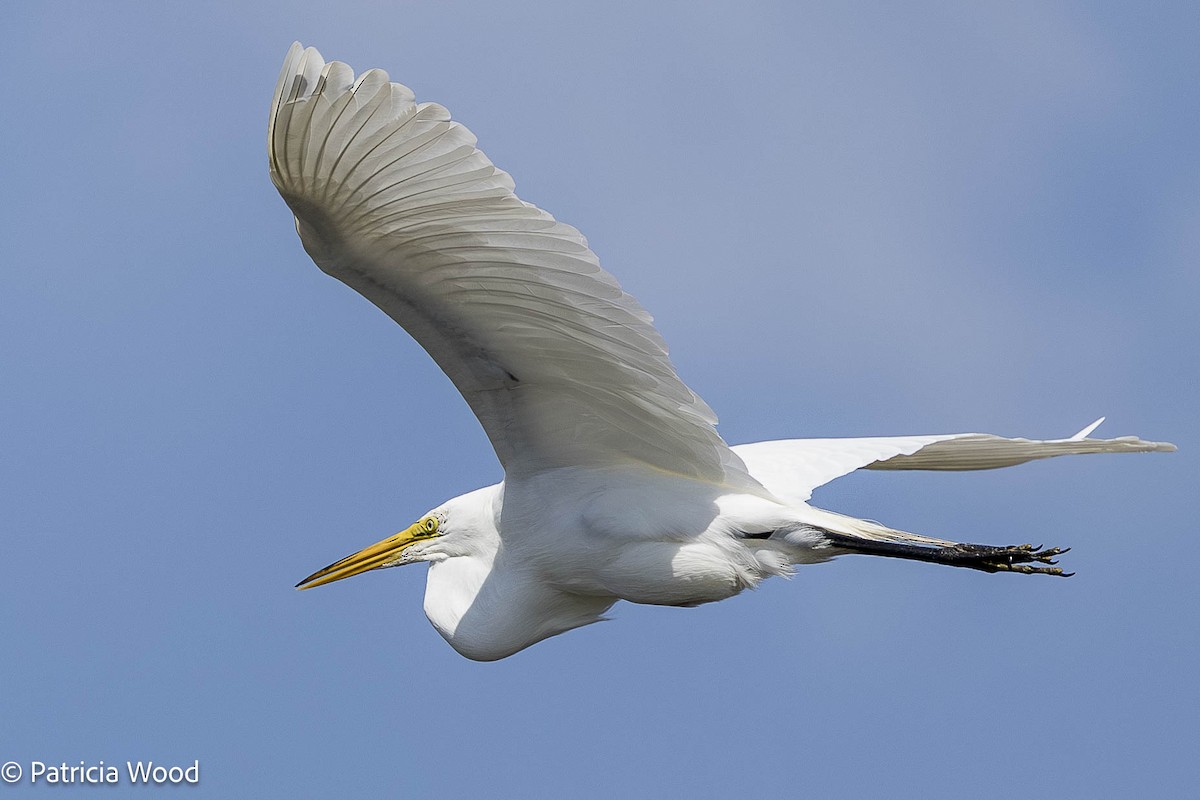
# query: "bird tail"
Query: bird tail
{"points": [[864, 529]]}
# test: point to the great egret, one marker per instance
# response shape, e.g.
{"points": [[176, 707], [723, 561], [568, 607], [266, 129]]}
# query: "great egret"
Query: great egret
{"points": [[617, 486]]}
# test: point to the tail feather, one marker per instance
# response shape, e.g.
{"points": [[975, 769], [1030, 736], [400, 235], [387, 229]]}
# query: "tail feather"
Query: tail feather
{"points": [[864, 529]]}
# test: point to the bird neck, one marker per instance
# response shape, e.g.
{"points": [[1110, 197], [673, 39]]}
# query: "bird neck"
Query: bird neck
{"points": [[488, 610], [452, 588]]}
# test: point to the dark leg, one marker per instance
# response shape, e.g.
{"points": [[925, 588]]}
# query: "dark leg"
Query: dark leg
{"points": [[1016, 558]]}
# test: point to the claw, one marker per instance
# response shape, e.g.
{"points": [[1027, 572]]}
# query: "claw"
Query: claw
{"points": [[1017, 559], [1025, 569]]}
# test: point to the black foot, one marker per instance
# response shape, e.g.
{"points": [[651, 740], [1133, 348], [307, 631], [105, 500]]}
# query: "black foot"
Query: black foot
{"points": [[1022, 558], [1017, 558]]}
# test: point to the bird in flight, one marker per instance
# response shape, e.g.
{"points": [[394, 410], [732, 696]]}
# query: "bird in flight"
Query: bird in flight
{"points": [[616, 484]]}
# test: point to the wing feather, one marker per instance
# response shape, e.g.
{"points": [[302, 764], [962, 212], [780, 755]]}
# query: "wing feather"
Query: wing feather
{"points": [[560, 365], [791, 468]]}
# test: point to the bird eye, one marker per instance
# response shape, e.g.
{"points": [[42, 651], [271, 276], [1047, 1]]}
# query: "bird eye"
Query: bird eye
{"points": [[430, 525]]}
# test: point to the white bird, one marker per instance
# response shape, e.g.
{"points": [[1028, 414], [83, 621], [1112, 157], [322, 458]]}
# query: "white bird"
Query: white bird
{"points": [[616, 483]]}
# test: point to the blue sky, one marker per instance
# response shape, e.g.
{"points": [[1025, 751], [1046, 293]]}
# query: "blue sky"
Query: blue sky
{"points": [[848, 219]]}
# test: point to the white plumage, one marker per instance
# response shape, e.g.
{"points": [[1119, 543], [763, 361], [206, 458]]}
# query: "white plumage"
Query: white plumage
{"points": [[617, 485]]}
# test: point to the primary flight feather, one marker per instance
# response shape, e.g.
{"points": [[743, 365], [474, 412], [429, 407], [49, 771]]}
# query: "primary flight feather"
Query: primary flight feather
{"points": [[617, 485]]}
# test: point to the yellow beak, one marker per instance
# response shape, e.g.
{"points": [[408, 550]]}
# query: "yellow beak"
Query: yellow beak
{"points": [[380, 554]]}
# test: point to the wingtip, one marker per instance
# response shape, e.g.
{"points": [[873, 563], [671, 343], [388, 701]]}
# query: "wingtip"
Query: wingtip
{"points": [[1128, 443], [1083, 434]]}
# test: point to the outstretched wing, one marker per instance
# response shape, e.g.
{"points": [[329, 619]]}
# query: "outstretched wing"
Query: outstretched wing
{"points": [[791, 468], [561, 366]]}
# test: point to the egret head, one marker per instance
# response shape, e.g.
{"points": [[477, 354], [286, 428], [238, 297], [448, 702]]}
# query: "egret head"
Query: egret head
{"points": [[465, 526], [418, 542]]}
